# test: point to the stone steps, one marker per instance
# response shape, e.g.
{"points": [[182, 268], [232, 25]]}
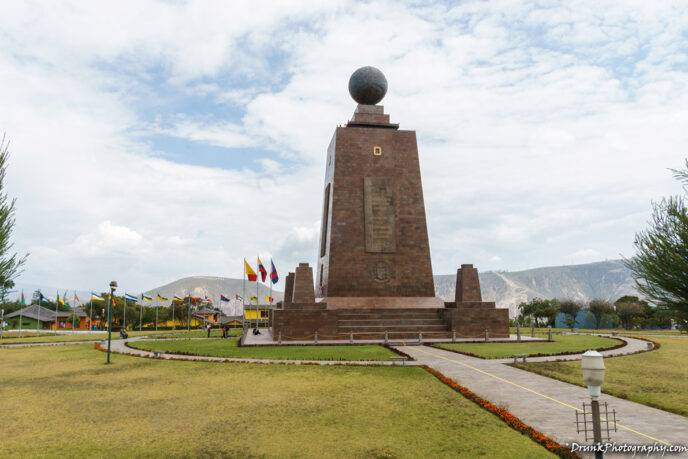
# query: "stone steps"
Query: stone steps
{"points": [[396, 336], [399, 324], [399, 328], [389, 322], [380, 315]]}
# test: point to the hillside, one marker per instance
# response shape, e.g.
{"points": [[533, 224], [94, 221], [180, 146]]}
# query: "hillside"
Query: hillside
{"points": [[212, 287], [605, 279]]}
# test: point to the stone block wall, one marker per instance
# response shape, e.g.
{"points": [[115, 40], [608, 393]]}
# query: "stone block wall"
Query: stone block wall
{"points": [[471, 322], [299, 324]]}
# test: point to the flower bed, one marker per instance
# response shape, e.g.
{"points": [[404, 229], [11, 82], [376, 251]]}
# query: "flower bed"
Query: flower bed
{"points": [[513, 421]]}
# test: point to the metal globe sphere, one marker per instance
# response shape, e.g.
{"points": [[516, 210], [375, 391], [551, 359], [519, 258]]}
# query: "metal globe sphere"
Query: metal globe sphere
{"points": [[368, 85]]}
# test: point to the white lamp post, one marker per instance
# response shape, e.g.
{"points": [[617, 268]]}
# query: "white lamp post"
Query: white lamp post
{"points": [[592, 364]]}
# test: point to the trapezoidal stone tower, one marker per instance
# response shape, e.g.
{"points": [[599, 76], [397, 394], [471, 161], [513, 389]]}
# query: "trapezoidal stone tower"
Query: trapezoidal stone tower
{"points": [[374, 250], [374, 278]]}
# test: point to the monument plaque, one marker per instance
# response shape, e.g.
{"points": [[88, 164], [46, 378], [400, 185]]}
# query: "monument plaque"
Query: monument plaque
{"points": [[380, 225]]}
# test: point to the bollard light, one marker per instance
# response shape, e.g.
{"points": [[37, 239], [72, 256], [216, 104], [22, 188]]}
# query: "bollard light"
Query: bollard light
{"points": [[592, 364]]}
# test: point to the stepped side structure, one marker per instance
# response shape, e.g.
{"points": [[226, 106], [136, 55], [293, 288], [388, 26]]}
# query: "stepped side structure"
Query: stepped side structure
{"points": [[374, 273]]}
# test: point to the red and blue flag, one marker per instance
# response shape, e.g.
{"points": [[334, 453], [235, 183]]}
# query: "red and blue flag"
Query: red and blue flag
{"points": [[262, 270], [273, 272]]}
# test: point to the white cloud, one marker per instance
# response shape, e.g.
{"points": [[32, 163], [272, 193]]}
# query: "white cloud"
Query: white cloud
{"points": [[544, 131], [108, 238]]}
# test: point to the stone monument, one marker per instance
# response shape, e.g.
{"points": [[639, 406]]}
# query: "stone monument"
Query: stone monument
{"points": [[374, 274]]}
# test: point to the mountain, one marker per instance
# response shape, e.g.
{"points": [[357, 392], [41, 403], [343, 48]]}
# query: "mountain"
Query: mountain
{"points": [[212, 287], [605, 279]]}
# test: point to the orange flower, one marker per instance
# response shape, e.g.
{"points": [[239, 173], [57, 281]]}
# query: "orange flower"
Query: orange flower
{"points": [[511, 420]]}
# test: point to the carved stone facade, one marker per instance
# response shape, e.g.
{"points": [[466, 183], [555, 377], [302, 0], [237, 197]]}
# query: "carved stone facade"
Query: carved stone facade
{"points": [[374, 240]]}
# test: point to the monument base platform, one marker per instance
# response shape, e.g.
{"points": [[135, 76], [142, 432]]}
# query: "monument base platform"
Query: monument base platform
{"points": [[355, 324]]}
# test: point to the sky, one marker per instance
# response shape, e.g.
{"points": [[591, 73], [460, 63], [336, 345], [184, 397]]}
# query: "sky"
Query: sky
{"points": [[155, 140]]}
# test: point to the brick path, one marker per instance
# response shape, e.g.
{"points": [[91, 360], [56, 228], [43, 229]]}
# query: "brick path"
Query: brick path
{"points": [[549, 405]]}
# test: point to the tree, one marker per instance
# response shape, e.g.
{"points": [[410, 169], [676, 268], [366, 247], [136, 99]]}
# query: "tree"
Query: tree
{"points": [[599, 309], [629, 309], [570, 310], [539, 310], [10, 263], [660, 266]]}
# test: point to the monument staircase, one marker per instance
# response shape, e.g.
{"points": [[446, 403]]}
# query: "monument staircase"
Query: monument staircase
{"points": [[398, 323]]}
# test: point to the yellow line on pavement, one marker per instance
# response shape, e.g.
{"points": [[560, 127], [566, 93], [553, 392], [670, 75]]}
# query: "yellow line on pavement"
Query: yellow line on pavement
{"points": [[537, 393]]}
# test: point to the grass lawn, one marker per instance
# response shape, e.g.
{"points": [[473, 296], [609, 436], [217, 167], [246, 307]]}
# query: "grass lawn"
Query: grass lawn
{"points": [[658, 378], [561, 343], [64, 402], [53, 338], [230, 348]]}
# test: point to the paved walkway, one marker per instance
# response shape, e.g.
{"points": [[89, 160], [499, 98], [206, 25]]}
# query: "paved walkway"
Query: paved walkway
{"points": [[549, 405], [120, 347], [633, 346]]}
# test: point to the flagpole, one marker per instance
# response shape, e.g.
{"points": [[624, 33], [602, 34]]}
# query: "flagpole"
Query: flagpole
{"points": [[124, 312], [156, 314], [172, 305], [73, 311], [57, 302], [243, 297], [40, 295], [141, 313], [90, 315], [188, 318], [257, 294], [21, 312]]}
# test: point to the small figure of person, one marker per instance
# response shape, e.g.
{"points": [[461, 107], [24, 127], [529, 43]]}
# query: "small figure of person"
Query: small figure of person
{"points": [[208, 327], [123, 333], [225, 329]]}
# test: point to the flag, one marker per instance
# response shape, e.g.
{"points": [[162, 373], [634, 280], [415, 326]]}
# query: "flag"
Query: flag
{"points": [[254, 298], [23, 300], [223, 298], [76, 298], [208, 300], [268, 299], [95, 297], [262, 270], [273, 272], [146, 298], [59, 300], [161, 298], [238, 297], [250, 273], [130, 297], [177, 298]]}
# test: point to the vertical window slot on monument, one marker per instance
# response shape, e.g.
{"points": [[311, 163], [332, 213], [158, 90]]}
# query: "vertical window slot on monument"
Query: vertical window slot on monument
{"points": [[377, 151], [325, 218]]}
